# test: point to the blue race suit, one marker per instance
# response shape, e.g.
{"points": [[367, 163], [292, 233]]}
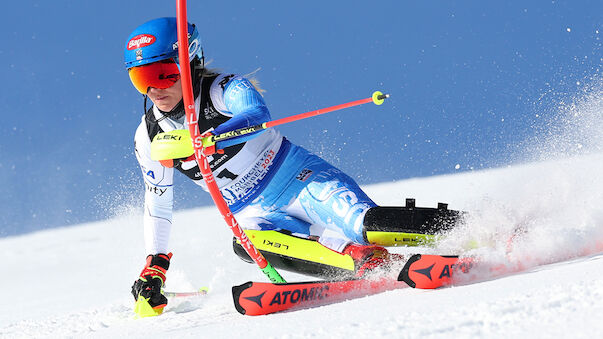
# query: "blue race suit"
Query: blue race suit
{"points": [[268, 182]]}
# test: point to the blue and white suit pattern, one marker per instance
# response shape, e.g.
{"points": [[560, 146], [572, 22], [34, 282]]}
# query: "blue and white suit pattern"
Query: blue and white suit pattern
{"points": [[275, 184]]}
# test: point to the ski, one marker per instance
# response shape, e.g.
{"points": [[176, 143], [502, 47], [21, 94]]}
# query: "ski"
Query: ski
{"points": [[170, 294], [420, 271], [428, 271], [260, 298]]}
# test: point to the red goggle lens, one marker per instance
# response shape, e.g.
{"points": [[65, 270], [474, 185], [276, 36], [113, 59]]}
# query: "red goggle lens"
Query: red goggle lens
{"points": [[163, 74]]}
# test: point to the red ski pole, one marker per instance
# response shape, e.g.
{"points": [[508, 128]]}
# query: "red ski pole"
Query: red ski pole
{"points": [[377, 98], [193, 127]]}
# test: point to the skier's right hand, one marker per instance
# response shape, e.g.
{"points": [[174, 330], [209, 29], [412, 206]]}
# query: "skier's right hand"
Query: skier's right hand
{"points": [[209, 145], [151, 280]]}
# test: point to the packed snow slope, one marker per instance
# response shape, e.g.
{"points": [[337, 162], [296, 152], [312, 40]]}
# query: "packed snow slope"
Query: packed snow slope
{"points": [[544, 216], [75, 281]]}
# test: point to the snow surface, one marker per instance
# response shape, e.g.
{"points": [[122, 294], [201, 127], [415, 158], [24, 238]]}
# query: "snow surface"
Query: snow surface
{"points": [[75, 281], [544, 216]]}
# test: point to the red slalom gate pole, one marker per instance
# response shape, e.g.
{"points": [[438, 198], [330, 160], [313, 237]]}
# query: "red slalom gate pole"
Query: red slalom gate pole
{"points": [[193, 127]]}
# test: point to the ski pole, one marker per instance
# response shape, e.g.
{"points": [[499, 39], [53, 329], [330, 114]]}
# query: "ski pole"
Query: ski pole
{"points": [[170, 294], [193, 127], [377, 98]]}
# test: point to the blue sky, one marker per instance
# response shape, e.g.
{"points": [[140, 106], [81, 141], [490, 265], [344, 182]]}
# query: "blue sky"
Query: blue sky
{"points": [[470, 80]]}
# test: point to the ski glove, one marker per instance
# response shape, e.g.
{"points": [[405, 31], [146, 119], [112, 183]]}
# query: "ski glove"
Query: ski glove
{"points": [[209, 147], [151, 280]]}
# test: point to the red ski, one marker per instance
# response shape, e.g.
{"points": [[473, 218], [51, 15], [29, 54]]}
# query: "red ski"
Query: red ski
{"points": [[433, 271], [420, 271], [259, 298]]}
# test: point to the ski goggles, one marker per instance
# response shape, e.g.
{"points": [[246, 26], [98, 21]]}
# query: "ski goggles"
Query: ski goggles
{"points": [[162, 74]]}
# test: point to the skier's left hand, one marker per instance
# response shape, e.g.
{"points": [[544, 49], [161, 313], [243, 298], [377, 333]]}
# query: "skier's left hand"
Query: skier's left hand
{"points": [[151, 280]]}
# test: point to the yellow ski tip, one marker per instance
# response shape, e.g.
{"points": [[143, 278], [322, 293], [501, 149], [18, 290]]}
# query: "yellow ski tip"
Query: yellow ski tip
{"points": [[379, 97], [143, 309]]}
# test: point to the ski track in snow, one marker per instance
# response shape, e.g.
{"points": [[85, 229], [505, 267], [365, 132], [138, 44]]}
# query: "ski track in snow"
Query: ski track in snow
{"points": [[545, 216]]}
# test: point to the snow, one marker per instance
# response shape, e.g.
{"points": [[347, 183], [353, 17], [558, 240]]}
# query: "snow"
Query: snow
{"points": [[75, 281]]}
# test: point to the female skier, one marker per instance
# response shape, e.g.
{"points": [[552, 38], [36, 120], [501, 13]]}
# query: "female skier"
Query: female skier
{"points": [[269, 183]]}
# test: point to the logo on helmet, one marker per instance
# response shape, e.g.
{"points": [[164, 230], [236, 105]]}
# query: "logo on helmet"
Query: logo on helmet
{"points": [[140, 41], [193, 46], [175, 44]]}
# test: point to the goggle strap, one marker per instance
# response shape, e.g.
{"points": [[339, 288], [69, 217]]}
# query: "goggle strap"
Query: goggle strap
{"points": [[145, 103]]}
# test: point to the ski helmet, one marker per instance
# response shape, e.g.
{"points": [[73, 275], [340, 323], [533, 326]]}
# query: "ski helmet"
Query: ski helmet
{"points": [[157, 40]]}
